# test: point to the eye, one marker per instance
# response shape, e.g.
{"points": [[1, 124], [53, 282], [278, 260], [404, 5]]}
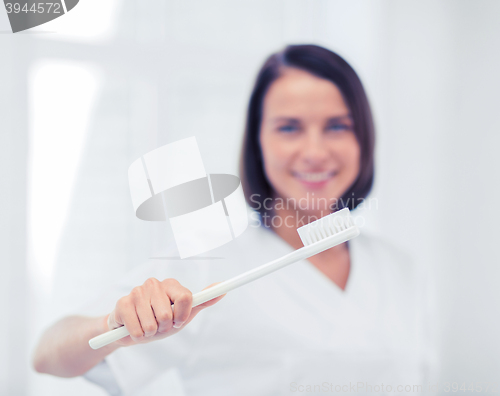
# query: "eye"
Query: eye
{"points": [[288, 128], [338, 127]]}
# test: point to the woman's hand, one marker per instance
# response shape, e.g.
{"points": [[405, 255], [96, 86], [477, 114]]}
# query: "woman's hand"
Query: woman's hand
{"points": [[147, 313]]}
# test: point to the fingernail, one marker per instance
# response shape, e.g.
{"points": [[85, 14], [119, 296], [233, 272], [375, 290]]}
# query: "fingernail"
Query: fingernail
{"points": [[178, 324]]}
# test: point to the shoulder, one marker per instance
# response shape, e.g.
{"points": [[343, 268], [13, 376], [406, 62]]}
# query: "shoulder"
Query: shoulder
{"points": [[382, 248], [385, 260]]}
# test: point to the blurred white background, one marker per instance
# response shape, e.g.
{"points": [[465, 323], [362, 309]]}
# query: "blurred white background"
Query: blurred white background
{"points": [[83, 96]]}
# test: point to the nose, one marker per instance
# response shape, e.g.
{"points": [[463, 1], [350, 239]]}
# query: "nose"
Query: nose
{"points": [[314, 149]]}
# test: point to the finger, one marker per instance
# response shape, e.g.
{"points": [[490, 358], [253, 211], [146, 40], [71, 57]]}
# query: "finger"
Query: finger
{"points": [[127, 315], [146, 317], [162, 310], [183, 300]]}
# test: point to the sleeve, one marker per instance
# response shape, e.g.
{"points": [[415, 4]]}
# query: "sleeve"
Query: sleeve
{"points": [[429, 329], [102, 376]]}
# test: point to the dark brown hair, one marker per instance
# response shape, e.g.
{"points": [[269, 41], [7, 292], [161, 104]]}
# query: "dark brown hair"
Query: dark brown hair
{"points": [[322, 63]]}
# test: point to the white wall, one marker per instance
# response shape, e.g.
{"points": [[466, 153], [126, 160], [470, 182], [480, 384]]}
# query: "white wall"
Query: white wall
{"points": [[470, 164], [167, 70], [438, 182]]}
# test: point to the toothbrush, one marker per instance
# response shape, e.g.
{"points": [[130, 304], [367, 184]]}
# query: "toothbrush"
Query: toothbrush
{"points": [[320, 235]]}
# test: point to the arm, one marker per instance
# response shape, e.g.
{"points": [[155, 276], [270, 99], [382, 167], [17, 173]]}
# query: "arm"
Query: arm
{"points": [[64, 351], [146, 312]]}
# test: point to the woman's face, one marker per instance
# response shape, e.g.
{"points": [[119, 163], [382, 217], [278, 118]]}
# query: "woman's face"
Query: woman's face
{"points": [[307, 140]]}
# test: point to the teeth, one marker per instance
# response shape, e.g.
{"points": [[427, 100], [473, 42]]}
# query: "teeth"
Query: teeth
{"points": [[315, 177]]}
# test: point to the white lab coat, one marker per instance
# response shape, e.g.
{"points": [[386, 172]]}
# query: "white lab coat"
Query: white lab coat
{"points": [[291, 332]]}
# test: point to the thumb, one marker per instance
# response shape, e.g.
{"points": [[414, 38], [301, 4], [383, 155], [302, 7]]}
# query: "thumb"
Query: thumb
{"points": [[111, 321], [213, 300], [196, 310]]}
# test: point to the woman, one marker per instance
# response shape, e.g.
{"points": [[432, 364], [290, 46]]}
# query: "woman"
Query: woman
{"points": [[351, 319]]}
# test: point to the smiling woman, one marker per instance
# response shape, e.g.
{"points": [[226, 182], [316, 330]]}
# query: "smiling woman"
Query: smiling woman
{"points": [[309, 129], [307, 139], [356, 313]]}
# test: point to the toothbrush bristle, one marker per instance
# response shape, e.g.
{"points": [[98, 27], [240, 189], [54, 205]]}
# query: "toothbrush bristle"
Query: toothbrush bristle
{"points": [[325, 227]]}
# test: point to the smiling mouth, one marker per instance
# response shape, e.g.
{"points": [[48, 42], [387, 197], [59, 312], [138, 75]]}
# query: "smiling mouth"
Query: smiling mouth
{"points": [[314, 177]]}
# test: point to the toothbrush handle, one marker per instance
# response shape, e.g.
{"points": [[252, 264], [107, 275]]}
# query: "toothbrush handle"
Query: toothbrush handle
{"points": [[242, 279], [206, 295], [108, 337]]}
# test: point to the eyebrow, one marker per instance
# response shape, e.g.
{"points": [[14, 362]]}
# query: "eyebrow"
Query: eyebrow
{"points": [[287, 119], [347, 117], [297, 120]]}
